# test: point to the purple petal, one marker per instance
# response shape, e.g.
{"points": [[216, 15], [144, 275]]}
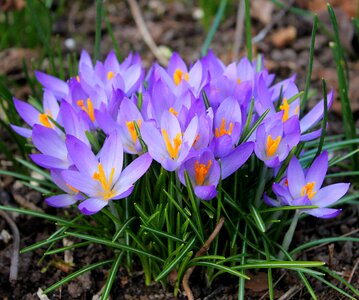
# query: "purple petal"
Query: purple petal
{"points": [[295, 176], [27, 112], [61, 200], [111, 156], [301, 201], [154, 141], [318, 169], [236, 159], [176, 62], [57, 86], [49, 162], [82, 183], [315, 114], [47, 141], [324, 213], [133, 171], [25, 132], [205, 192], [311, 136], [269, 201], [92, 205], [82, 156], [330, 194]]}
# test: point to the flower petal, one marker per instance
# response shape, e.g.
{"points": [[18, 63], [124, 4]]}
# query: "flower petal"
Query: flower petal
{"points": [[82, 156], [205, 192], [324, 213], [318, 169], [295, 176], [80, 182], [236, 159], [330, 194], [92, 205], [133, 171], [61, 200]]}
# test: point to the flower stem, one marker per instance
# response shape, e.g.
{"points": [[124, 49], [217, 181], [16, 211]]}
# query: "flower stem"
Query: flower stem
{"points": [[289, 235], [261, 185]]}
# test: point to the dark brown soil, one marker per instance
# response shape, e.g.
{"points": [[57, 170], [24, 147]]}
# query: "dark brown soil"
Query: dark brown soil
{"points": [[173, 25]]}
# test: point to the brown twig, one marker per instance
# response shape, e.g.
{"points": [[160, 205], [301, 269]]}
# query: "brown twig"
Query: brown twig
{"points": [[353, 271], [136, 13], [200, 252], [14, 266], [238, 35]]}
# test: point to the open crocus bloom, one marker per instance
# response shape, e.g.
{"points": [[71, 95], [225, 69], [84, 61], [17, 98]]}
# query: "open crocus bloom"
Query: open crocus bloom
{"points": [[101, 178], [305, 188]]}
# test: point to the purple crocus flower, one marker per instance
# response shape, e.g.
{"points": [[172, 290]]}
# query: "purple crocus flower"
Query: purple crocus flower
{"points": [[275, 139], [302, 187], [204, 170], [56, 86], [204, 173], [169, 147], [101, 177]]}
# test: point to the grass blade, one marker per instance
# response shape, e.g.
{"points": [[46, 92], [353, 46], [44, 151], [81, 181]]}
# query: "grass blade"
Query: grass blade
{"points": [[98, 29], [76, 274], [112, 276]]}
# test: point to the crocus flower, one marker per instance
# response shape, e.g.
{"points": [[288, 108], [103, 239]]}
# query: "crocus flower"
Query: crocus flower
{"points": [[275, 139], [169, 146], [204, 173], [101, 177], [304, 187]]}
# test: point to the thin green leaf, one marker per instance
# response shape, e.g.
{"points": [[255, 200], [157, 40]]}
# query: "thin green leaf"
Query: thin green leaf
{"points": [[112, 276], [62, 249], [180, 256], [114, 245], [76, 274], [122, 228], [97, 55], [257, 218], [225, 269], [162, 233]]}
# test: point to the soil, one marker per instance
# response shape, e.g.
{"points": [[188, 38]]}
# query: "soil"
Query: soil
{"points": [[173, 24]]}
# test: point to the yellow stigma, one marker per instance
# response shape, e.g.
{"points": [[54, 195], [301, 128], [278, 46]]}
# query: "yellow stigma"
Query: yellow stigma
{"points": [[132, 130], [285, 107], [178, 76], [78, 78], [272, 145], [238, 80], [296, 111], [222, 130], [100, 176], [173, 111], [44, 120], [201, 171], [308, 190], [110, 75], [172, 149], [89, 109]]}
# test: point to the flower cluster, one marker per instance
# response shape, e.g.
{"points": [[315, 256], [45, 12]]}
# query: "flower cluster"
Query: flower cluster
{"points": [[203, 122]]}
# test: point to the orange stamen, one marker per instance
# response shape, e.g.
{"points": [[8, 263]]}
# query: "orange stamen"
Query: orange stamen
{"points": [[238, 80], [285, 106], [222, 130], [89, 109], [78, 78], [308, 190], [173, 111], [100, 176], [76, 191], [110, 75], [131, 128], [177, 141], [201, 171], [272, 145], [44, 120], [178, 76]]}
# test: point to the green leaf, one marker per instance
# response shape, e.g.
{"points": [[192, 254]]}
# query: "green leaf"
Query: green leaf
{"points": [[257, 218], [179, 258], [76, 274], [114, 245], [219, 267], [111, 277], [162, 233], [323, 241]]}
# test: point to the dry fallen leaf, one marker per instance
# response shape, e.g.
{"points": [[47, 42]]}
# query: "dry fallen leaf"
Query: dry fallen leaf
{"points": [[258, 282], [284, 36]]}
